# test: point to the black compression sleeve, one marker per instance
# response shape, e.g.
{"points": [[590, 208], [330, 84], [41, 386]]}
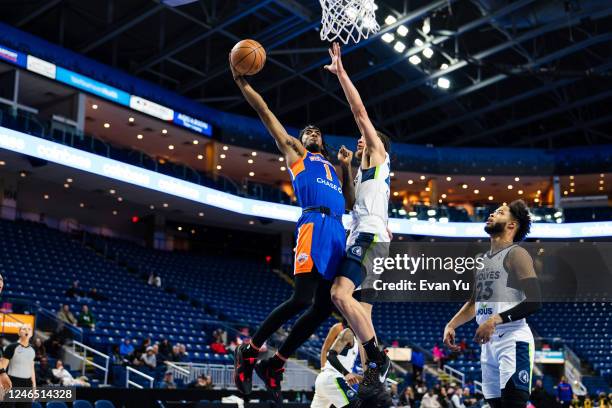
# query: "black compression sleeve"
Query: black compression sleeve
{"points": [[332, 357], [531, 304]]}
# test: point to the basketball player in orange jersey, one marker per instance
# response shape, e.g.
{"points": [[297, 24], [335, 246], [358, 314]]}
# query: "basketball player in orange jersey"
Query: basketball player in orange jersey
{"points": [[320, 246]]}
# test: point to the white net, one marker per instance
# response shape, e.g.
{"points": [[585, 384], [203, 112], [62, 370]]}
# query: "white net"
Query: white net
{"points": [[345, 20]]}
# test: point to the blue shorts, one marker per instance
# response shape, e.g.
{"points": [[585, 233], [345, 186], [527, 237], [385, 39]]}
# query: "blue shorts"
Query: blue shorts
{"points": [[320, 242], [353, 266]]}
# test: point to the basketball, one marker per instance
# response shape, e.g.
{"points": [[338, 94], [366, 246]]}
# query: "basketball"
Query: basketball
{"points": [[248, 57]]}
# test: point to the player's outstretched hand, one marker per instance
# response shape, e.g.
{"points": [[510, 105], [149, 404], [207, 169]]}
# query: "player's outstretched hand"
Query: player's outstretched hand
{"points": [[352, 379], [235, 73], [345, 156], [335, 67], [449, 338]]}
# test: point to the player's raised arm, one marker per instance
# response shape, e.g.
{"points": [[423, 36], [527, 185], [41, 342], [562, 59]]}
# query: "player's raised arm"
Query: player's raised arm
{"points": [[329, 340], [289, 146], [373, 142]]}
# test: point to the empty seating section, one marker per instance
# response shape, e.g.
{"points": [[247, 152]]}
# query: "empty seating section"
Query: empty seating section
{"points": [[40, 264], [585, 327]]}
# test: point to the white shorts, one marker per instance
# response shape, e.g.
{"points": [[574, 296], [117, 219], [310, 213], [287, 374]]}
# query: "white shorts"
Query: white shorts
{"points": [[508, 356], [331, 388]]}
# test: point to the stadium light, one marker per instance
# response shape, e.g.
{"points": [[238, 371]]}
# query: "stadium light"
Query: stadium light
{"points": [[418, 42], [171, 147], [251, 173], [399, 46], [443, 196], [476, 191], [443, 83], [164, 131], [200, 214], [490, 198], [448, 178], [402, 30], [2, 163], [517, 179], [464, 186], [107, 125], [139, 136], [520, 192], [390, 19], [510, 187], [250, 161], [281, 159], [428, 53], [444, 66], [195, 142], [94, 106], [225, 147], [558, 214], [422, 177], [388, 38], [283, 168], [414, 60], [82, 205], [219, 167], [431, 213], [443, 220], [410, 181], [426, 26], [483, 178], [253, 154], [200, 157]]}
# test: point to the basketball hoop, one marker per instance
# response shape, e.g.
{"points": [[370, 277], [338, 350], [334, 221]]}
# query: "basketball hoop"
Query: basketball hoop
{"points": [[346, 20]]}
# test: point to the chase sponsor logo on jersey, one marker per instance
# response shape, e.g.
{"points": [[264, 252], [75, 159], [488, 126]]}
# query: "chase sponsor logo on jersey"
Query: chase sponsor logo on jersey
{"points": [[357, 251], [329, 184], [523, 376], [302, 257], [483, 310]]}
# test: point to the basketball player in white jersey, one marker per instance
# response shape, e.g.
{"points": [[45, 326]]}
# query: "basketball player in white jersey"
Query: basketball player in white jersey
{"points": [[370, 197], [334, 385], [506, 291]]}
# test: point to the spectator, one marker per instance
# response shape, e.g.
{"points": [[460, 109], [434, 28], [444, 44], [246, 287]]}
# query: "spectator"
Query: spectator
{"points": [[438, 355], [154, 280], [65, 378], [469, 399], [165, 350], [421, 390], [443, 397], [430, 400], [539, 397], [564, 393], [168, 382], [603, 400], [183, 353], [93, 294], [75, 291], [116, 356], [66, 316], [126, 349], [87, 319], [44, 374], [407, 399], [457, 398], [149, 359], [146, 343], [39, 349], [202, 382], [175, 356], [218, 346]]}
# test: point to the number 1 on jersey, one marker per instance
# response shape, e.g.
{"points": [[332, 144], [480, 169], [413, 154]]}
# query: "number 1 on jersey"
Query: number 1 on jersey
{"points": [[328, 172]]}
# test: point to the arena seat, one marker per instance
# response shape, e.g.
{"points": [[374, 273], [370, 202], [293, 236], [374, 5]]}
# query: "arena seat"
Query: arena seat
{"points": [[104, 404]]}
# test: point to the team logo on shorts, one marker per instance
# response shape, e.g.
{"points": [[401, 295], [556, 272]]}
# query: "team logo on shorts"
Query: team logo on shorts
{"points": [[302, 257], [357, 251], [523, 376]]}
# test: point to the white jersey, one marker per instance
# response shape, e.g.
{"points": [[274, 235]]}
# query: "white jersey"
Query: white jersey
{"points": [[371, 210], [497, 289], [347, 358]]}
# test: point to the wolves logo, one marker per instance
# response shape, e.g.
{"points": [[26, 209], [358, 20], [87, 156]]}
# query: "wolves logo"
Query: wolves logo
{"points": [[357, 251], [523, 376]]}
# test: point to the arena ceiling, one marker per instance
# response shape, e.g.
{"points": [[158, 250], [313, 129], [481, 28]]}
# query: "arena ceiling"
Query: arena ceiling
{"points": [[522, 73]]}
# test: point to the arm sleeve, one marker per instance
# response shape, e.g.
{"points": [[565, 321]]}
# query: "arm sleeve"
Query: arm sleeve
{"points": [[332, 357], [9, 351], [531, 304]]}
